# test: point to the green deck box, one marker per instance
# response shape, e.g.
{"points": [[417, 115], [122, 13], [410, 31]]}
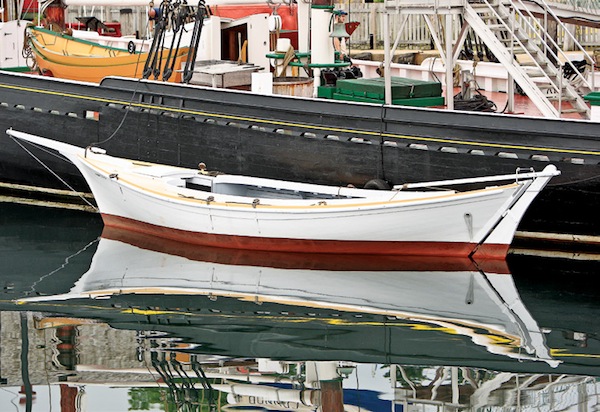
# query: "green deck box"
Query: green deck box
{"points": [[404, 91]]}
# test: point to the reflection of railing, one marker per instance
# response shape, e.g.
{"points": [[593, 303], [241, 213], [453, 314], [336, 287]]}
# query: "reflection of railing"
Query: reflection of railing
{"points": [[460, 388]]}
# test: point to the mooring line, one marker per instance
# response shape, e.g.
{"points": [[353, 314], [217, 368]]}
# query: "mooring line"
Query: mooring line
{"points": [[63, 265], [54, 173], [129, 105]]}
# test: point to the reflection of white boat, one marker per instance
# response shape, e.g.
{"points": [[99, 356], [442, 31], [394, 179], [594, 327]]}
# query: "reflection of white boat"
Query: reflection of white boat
{"points": [[453, 297], [262, 214]]}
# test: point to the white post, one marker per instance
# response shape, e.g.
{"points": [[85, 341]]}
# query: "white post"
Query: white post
{"points": [[455, 390], [387, 58], [322, 50], [393, 381], [449, 64], [304, 26], [510, 86]]}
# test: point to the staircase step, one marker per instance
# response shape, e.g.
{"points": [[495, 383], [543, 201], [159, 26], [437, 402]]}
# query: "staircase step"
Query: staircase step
{"points": [[540, 64], [541, 77], [547, 87], [482, 9], [534, 50], [516, 49], [563, 98], [511, 39], [535, 72], [565, 111], [498, 26]]}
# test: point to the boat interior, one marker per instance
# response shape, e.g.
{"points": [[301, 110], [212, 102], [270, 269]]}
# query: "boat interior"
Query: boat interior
{"points": [[230, 185]]}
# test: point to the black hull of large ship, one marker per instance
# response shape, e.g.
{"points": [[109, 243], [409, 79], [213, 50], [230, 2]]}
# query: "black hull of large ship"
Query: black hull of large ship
{"points": [[299, 139]]}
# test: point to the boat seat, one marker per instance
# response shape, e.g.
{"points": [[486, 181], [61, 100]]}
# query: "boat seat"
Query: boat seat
{"points": [[270, 189]]}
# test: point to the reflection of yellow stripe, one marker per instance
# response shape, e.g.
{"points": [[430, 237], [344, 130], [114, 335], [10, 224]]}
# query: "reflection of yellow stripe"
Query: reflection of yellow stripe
{"points": [[417, 326], [494, 339], [149, 312], [307, 126], [562, 354]]}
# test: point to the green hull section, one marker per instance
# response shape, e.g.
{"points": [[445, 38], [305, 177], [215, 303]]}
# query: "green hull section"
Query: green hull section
{"points": [[19, 69]]}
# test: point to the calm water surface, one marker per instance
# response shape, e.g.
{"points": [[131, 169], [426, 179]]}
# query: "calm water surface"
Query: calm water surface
{"points": [[104, 320]]}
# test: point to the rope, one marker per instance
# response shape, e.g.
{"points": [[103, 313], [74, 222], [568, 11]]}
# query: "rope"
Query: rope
{"points": [[53, 173], [289, 56], [137, 84], [62, 266], [479, 103]]}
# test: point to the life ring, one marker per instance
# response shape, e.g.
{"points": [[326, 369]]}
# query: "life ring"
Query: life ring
{"points": [[131, 47], [378, 184]]}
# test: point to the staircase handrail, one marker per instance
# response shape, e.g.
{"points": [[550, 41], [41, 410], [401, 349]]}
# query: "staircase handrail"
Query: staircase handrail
{"points": [[534, 90], [511, 30], [553, 43]]}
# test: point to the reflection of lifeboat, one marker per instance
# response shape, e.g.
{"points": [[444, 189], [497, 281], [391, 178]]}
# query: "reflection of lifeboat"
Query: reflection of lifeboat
{"points": [[456, 298]]}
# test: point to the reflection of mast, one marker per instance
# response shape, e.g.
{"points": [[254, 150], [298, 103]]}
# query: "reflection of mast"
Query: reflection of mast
{"points": [[27, 389], [67, 356], [181, 385], [324, 375], [71, 398]]}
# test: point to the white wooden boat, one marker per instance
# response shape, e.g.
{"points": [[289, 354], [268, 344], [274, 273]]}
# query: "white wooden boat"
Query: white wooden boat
{"points": [[241, 212]]}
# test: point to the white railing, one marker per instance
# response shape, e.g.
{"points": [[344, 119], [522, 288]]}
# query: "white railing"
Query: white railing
{"points": [[584, 5], [416, 35], [370, 16]]}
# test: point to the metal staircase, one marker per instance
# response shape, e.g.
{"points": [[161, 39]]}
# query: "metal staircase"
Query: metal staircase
{"points": [[509, 29]]}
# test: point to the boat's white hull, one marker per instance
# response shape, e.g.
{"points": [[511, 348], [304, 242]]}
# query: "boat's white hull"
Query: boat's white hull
{"points": [[437, 228], [405, 231], [369, 222]]}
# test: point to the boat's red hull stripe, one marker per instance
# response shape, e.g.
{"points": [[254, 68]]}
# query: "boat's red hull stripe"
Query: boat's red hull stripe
{"points": [[441, 249]]}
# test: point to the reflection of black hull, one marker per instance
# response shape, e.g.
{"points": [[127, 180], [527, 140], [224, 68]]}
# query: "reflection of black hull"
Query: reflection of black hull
{"points": [[233, 328], [302, 140], [560, 298]]}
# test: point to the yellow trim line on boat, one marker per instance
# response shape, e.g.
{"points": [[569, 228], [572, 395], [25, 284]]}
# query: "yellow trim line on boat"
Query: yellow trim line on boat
{"points": [[132, 179]]}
